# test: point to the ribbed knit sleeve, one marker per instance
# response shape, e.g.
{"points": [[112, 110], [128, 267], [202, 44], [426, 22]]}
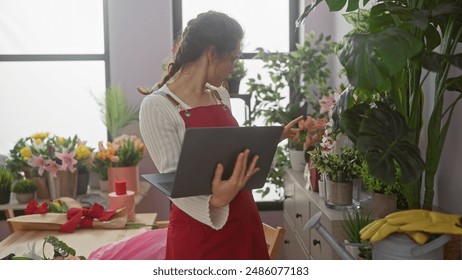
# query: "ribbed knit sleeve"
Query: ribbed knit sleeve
{"points": [[162, 129]]}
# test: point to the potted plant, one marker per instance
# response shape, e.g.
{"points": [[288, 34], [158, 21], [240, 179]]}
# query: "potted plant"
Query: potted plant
{"points": [[352, 224], [25, 190], [116, 113], [340, 170], [6, 180], [389, 54], [234, 79], [385, 198], [122, 157]]}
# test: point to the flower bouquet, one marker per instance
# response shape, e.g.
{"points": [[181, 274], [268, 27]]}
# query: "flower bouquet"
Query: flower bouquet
{"points": [[58, 157], [119, 160]]}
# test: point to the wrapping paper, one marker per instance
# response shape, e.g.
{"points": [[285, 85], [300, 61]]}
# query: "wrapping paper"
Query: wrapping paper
{"points": [[76, 217], [149, 244]]}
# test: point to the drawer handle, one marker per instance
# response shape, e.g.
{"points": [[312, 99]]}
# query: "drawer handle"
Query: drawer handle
{"points": [[287, 196], [316, 242], [286, 241], [298, 215]]}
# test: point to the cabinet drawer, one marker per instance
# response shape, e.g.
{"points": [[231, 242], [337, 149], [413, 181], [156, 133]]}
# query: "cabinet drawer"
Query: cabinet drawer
{"points": [[292, 248], [319, 248], [289, 196], [302, 213]]}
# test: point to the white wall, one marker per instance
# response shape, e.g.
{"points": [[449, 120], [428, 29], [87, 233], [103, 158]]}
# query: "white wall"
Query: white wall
{"points": [[140, 37]]}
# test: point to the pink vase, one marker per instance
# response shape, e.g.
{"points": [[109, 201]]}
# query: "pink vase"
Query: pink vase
{"points": [[129, 174]]}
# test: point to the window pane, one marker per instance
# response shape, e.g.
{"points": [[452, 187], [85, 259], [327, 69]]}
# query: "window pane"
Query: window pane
{"points": [[55, 97], [51, 27], [254, 68], [265, 22]]}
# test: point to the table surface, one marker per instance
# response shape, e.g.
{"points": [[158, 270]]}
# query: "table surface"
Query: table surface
{"points": [[84, 241]]}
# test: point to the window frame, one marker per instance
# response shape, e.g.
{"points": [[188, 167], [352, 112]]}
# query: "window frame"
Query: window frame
{"points": [[70, 57]]}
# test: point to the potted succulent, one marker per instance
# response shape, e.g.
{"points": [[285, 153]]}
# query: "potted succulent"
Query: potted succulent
{"points": [[25, 190], [234, 79], [6, 180], [340, 170]]}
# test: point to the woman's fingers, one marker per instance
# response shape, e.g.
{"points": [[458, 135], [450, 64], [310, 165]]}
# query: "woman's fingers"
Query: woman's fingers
{"points": [[218, 174]]}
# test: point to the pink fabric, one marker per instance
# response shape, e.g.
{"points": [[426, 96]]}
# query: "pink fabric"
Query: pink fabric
{"points": [[149, 244]]}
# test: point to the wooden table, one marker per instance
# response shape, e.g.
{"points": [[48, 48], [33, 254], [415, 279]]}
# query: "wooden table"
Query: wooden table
{"points": [[84, 241], [103, 196]]}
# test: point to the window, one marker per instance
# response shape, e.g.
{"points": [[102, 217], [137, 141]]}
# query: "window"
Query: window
{"points": [[53, 63], [267, 24]]}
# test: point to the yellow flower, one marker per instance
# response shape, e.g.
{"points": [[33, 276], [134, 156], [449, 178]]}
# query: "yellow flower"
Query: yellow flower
{"points": [[26, 153], [60, 140], [82, 152], [40, 136]]}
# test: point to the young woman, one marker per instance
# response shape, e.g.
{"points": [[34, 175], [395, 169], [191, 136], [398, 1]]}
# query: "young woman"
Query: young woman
{"points": [[226, 224]]}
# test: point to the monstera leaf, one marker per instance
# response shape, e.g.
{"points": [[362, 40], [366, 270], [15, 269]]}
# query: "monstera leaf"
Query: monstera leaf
{"points": [[371, 59], [382, 135]]}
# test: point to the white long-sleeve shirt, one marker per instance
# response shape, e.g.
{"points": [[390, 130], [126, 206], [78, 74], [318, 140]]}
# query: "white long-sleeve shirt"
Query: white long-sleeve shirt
{"points": [[162, 129]]}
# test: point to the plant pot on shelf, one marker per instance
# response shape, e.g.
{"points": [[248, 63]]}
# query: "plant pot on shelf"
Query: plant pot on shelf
{"points": [[339, 194], [5, 196], [297, 160], [25, 197], [381, 204], [83, 180], [42, 187], [64, 184], [129, 174], [104, 185]]}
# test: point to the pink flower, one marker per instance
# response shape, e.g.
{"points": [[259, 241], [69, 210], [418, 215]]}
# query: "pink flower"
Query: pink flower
{"points": [[40, 163], [52, 167], [326, 103], [68, 160]]}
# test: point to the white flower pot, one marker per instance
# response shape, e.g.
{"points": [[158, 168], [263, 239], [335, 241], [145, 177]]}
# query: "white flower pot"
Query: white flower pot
{"points": [[297, 160]]}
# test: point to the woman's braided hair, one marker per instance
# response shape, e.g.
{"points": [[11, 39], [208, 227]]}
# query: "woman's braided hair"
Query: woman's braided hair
{"points": [[209, 29]]}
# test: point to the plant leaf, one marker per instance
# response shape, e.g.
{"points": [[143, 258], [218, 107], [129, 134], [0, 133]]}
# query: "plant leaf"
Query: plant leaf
{"points": [[370, 59], [366, 127]]}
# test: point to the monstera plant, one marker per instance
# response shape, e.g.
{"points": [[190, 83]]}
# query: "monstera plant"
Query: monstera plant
{"points": [[394, 47]]}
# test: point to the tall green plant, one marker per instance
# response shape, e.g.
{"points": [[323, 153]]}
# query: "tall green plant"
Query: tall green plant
{"points": [[391, 51], [116, 113]]}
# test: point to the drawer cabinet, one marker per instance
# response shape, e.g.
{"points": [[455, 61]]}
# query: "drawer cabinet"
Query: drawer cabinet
{"points": [[300, 205]]}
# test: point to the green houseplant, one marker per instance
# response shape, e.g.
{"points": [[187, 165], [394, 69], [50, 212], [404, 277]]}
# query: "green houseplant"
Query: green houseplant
{"points": [[340, 170], [25, 190], [116, 113], [389, 54], [234, 79], [6, 180], [352, 223]]}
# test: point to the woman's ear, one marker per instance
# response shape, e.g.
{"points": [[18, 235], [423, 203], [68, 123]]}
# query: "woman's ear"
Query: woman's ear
{"points": [[211, 54]]}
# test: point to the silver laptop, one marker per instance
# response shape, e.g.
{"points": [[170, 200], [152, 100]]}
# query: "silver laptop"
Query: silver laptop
{"points": [[204, 148]]}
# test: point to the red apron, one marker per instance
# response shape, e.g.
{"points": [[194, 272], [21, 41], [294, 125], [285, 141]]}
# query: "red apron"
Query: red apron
{"points": [[242, 236]]}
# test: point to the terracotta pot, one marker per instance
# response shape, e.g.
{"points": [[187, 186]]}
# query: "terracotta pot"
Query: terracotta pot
{"points": [[129, 174]]}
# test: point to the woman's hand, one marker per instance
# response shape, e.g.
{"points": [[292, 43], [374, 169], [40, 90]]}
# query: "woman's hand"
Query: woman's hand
{"points": [[223, 191], [289, 131]]}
